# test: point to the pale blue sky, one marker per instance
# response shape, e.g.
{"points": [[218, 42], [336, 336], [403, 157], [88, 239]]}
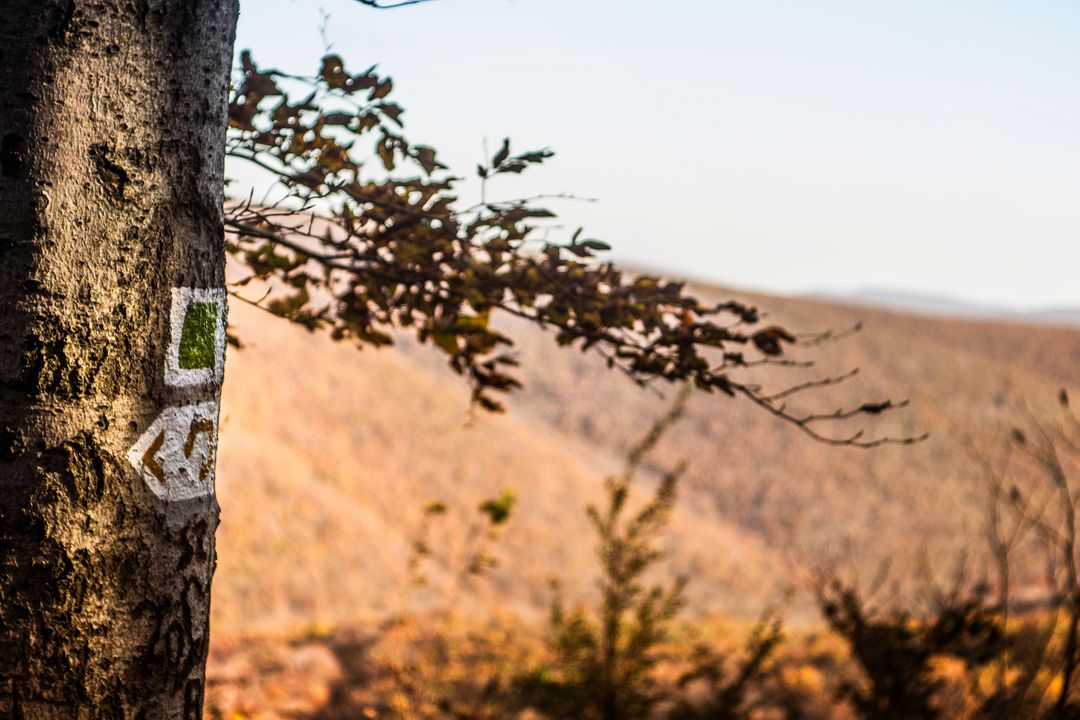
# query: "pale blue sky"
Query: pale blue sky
{"points": [[785, 145]]}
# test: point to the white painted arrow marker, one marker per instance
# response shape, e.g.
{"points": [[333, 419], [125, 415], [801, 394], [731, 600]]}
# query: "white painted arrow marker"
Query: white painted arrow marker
{"points": [[175, 455]]}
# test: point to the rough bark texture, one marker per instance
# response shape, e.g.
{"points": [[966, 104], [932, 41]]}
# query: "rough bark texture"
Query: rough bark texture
{"points": [[112, 124]]}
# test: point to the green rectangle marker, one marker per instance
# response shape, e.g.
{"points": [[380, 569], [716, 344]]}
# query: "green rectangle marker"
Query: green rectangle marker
{"points": [[197, 341]]}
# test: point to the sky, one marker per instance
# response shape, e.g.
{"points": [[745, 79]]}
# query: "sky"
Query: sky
{"points": [[791, 146]]}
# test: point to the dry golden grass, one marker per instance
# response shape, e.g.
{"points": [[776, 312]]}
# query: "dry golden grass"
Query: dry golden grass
{"points": [[328, 456], [409, 669]]}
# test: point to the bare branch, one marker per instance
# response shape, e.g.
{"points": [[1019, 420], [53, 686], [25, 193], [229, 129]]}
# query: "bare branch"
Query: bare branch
{"points": [[396, 253], [398, 4]]}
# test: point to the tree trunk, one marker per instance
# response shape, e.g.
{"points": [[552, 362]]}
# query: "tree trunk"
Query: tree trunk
{"points": [[112, 129]]}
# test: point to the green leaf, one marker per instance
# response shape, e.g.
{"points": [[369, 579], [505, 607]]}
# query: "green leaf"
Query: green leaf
{"points": [[472, 322], [498, 509]]}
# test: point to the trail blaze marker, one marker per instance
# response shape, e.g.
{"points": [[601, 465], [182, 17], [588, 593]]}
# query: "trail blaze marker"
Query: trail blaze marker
{"points": [[175, 455], [196, 354]]}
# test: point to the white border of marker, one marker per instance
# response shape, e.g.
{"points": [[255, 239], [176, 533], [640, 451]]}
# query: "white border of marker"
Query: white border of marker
{"points": [[176, 376]]}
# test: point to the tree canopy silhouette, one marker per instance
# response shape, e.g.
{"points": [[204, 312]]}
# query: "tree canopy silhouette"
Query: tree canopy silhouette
{"points": [[359, 251]]}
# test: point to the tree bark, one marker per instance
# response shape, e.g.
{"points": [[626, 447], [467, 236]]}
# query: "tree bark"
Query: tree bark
{"points": [[112, 129]]}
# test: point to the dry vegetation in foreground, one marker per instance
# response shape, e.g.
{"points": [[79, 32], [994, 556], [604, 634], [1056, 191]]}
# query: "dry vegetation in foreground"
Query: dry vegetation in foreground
{"points": [[347, 673], [971, 650], [318, 612]]}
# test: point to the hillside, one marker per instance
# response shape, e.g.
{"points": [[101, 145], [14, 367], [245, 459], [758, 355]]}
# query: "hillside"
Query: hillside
{"points": [[328, 456]]}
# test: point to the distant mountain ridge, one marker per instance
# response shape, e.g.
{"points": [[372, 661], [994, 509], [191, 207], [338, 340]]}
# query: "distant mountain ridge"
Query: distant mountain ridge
{"points": [[945, 306]]}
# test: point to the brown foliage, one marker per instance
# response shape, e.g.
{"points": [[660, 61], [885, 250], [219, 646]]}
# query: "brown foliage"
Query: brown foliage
{"points": [[359, 253]]}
